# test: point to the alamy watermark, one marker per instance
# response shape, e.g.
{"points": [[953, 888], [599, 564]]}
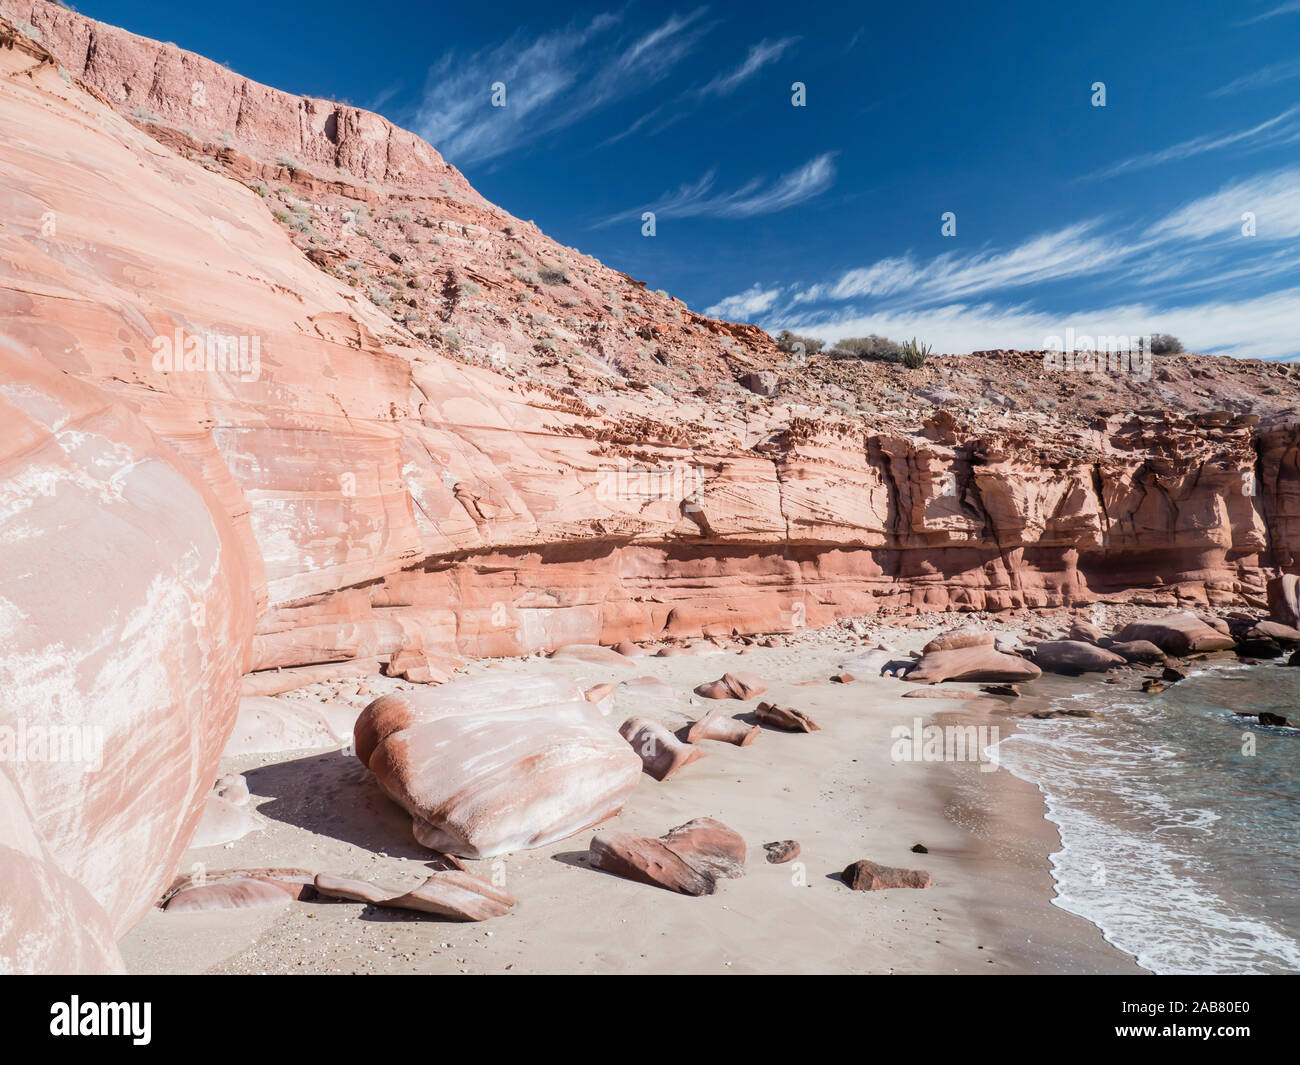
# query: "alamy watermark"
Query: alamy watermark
{"points": [[679, 481], [81, 745], [945, 743], [237, 355], [1083, 353]]}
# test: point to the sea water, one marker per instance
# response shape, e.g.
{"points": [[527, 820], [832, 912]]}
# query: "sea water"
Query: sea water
{"points": [[1179, 821]]}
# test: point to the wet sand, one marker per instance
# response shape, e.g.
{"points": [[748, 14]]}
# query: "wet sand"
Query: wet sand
{"points": [[837, 791]]}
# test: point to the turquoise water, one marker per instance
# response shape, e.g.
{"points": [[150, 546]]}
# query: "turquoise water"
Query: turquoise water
{"points": [[1178, 842]]}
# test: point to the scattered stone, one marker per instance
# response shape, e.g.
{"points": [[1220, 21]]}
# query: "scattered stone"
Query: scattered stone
{"points": [[342, 887], [1153, 686], [716, 725], [456, 894], [762, 382], [786, 718], [690, 859], [962, 636], [1265, 718], [866, 875], [920, 848], [733, 686], [628, 649], [1142, 651], [1085, 632], [590, 654], [940, 693], [781, 851], [1172, 674], [237, 889], [1008, 691], [661, 753], [842, 678]]}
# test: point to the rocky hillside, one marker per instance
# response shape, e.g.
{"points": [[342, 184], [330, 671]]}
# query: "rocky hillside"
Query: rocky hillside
{"points": [[281, 389]]}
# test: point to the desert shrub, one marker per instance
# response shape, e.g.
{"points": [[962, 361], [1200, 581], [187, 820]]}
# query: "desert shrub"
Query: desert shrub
{"points": [[261, 189], [914, 354], [550, 276], [873, 348], [402, 216], [452, 339], [787, 341], [468, 288], [1164, 344]]}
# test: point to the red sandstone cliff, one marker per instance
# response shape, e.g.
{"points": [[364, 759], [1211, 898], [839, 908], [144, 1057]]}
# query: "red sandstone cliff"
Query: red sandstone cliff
{"points": [[439, 449]]}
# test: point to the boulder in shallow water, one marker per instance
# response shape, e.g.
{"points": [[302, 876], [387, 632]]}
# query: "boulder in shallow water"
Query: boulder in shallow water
{"points": [[1073, 657], [1177, 634], [1143, 651]]}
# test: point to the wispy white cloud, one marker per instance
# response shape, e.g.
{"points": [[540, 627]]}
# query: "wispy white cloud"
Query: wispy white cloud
{"points": [[746, 305], [1274, 74], [755, 197], [1263, 327], [760, 55], [1291, 7], [1184, 264], [1281, 129], [551, 81], [1274, 200]]}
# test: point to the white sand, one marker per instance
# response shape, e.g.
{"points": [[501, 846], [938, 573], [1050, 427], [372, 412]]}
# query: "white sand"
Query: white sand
{"points": [[835, 791]]}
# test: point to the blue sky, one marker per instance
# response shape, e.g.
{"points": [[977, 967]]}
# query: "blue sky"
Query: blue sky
{"points": [[826, 218]]}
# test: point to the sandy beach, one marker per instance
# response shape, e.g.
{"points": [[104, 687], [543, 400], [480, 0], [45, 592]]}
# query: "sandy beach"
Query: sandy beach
{"points": [[838, 792]]}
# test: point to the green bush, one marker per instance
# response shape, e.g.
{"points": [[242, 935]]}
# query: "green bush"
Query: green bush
{"points": [[914, 354], [1164, 344]]}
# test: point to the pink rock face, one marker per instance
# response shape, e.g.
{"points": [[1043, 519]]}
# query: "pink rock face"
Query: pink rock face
{"points": [[366, 489], [497, 763], [116, 695], [1177, 634], [977, 663]]}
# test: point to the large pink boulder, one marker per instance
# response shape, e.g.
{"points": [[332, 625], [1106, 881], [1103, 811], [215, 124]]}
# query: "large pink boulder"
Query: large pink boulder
{"points": [[1177, 634], [497, 763], [126, 619], [979, 662]]}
